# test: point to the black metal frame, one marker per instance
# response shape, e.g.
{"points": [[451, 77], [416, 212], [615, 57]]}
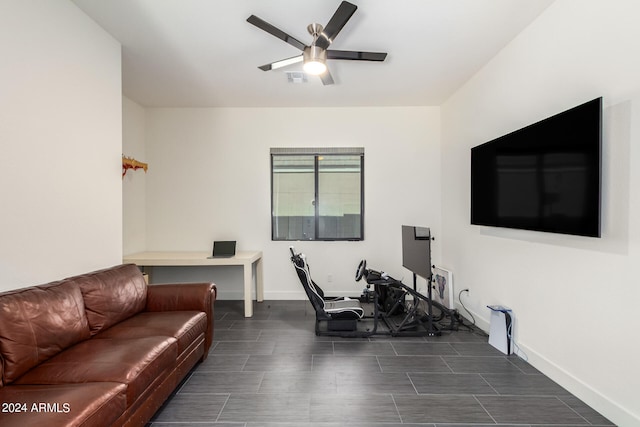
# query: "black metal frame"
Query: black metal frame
{"points": [[316, 220], [415, 322]]}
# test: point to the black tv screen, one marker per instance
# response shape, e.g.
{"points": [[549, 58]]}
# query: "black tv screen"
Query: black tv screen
{"points": [[416, 250], [544, 177]]}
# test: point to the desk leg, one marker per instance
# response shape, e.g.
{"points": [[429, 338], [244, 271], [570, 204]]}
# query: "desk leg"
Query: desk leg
{"points": [[248, 280], [259, 282], [147, 270]]}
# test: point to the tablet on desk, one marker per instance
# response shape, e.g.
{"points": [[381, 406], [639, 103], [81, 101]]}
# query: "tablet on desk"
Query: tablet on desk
{"points": [[223, 249]]}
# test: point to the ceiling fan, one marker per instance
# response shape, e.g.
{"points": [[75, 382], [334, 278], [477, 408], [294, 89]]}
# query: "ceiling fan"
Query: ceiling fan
{"points": [[314, 57]]}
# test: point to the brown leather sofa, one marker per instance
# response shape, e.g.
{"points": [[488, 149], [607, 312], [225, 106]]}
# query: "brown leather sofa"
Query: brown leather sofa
{"points": [[99, 349]]}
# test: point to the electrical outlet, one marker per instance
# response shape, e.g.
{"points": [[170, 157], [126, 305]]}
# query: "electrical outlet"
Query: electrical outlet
{"points": [[330, 278]]}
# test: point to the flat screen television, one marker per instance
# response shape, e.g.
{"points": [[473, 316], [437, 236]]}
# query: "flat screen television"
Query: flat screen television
{"points": [[544, 177], [416, 250]]}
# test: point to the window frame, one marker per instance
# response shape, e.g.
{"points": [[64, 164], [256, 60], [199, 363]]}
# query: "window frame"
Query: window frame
{"points": [[316, 153]]}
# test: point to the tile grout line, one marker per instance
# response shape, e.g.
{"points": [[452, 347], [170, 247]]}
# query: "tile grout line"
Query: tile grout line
{"points": [[484, 409], [379, 364], [482, 374], [395, 405], [412, 383], [223, 406], [448, 366], [573, 410]]}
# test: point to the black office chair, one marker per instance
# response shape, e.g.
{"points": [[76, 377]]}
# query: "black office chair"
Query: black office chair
{"points": [[340, 314]]}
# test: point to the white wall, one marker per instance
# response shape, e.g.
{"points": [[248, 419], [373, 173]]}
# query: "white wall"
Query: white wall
{"points": [[134, 196], [60, 135], [574, 298], [209, 178]]}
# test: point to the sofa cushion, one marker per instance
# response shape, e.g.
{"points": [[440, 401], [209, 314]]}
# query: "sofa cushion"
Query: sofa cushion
{"points": [[38, 323], [112, 295], [185, 296], [90, 404], [184, 326], [134, 362]]}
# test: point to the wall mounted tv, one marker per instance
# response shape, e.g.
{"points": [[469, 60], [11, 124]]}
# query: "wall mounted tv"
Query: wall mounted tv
{"points": [[544, 177]]}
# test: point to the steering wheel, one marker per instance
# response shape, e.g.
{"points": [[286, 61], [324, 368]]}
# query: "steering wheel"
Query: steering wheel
{"points": [[361, 269]]}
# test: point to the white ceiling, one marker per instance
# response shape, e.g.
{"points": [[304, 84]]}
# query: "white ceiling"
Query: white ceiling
{"points": [[203, 53]]}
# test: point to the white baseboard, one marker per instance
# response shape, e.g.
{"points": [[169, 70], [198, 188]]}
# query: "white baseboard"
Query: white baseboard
{"points": [[268, 296], [601, 403], [278, 296], [285, 296]]}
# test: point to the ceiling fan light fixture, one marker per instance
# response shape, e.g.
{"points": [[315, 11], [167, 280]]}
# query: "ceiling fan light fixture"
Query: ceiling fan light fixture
{"points": [[315, 67], [314, 60]]}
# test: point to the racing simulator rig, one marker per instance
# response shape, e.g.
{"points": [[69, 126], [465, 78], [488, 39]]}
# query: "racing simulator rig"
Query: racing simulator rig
{"points": [[387, 306]]}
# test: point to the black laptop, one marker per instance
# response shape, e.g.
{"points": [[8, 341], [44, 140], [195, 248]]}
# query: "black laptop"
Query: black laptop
{"points": [[224, 249]]}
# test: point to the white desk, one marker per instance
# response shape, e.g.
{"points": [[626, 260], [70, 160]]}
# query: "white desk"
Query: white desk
{"points": [[185, 259]]}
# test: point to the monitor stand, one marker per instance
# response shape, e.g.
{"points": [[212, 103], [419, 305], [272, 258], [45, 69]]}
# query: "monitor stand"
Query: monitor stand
{"points": [[432, 329]]}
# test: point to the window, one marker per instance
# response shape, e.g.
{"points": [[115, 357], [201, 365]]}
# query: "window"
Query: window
{"points": [[317, 194]]}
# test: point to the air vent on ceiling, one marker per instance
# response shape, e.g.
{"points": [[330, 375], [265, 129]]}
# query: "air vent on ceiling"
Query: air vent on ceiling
{"points": [[296, 77]]}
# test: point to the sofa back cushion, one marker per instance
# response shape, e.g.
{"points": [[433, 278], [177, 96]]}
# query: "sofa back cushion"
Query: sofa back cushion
{"points": [[112, 295], [37, 323]]}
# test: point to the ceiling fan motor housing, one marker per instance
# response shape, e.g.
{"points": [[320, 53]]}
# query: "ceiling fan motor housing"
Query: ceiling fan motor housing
{"points": [[314, 53]]}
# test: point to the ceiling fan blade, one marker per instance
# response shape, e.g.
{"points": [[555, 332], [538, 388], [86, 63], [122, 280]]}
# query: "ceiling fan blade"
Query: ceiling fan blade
{"points": [[281, 63], [356, 56], [265, 26], [335, 24], [326, 78]]}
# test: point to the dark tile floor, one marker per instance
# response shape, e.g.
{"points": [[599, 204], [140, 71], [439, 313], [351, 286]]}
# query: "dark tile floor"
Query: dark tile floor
{"points": [[271, 370]]}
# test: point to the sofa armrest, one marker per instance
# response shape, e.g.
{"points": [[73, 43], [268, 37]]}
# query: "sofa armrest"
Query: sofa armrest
{"points": [[184, 297], [181, 296]]}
